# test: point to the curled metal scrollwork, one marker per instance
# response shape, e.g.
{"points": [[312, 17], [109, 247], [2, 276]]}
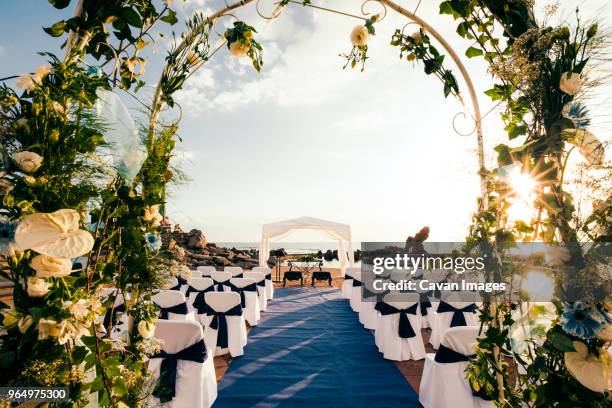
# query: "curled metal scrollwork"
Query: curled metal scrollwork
{"points": [[214, 27], [465, 116], [380, 16], [275, 13]]}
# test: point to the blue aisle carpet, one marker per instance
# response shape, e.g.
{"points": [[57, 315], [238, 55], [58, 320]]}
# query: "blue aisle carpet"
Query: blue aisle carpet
{"points": [[309, 350]]}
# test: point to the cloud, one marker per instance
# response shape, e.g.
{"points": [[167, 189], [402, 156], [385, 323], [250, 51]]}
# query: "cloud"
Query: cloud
{"points": [[2, 50]]}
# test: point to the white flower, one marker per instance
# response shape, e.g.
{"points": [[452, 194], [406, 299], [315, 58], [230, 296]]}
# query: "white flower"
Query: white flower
{"points": [[359, 36], [50, 267], [590, 147], [192, 58], [42, 72], [417, 37], [54, 234], [37, 287], [570, 83], [28, 162], [78, 309], [146, 329], [595, 373], [238, 49], [26, 82], [45, 328], [24, 324], [152, 215]]}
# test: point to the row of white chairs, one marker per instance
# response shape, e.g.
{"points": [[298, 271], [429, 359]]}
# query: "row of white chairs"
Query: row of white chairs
{"points": [[397, 322], [192, 317]]}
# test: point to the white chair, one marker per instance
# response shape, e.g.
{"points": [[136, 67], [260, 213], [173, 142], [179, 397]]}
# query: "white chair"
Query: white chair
{"points": [[398, 329], [368, 315], [260, 279], [174, 283], [269, 284], [347, 285], [196, 382], [205, 270], [247, 289], [236, 271], [447, 313], [195, 294], [172, 305], [355, 292], [115, 315], [225, 326], [221, 280], [443, 384]]}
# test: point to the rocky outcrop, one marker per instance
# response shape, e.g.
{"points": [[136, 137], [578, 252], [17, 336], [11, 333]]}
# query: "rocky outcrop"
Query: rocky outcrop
{"points": [[196, 240]]}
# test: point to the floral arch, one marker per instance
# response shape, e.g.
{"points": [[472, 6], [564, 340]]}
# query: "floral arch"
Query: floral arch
{"points": [[53, 177]]}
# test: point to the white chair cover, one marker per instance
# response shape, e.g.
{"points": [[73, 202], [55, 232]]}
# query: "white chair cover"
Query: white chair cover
{"points": [[387, 336], [251, 308], [236, 326], [269, 284], [171, 298], [368, 316], [121, 326], [196, 274], [196, 383], [444, 385], [347, 285], [425, 319], [236, 271], [205, 270], [260, 278], [221, 278], [173, 284], [441, 322], [355, 292], [200, 284]]}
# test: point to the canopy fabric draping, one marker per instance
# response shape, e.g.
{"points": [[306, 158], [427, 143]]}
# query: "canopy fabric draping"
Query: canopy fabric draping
{"points": [[334, 230]]}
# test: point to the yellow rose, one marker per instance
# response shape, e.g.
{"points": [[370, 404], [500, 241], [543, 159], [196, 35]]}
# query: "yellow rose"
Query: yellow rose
{"points": [[28, 162], [237, 49], [50, 267], [570, 83], [359, 36], [37, 287]]}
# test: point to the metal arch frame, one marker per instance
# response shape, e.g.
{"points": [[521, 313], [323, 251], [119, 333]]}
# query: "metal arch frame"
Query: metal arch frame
{"points": [[477, 116]]}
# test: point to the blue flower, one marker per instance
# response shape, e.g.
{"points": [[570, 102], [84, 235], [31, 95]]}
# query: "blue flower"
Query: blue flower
{"points": [[578, 319], [7, 235], [153, 241], [94, 71]]}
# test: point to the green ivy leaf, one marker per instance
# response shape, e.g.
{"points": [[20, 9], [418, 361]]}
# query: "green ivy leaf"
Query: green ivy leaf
{"points": [[561, 342], [60, 4], [56, 29], [473, 52], [131, 16], [170, 18]]}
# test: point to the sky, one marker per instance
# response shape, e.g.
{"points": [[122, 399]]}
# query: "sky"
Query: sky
{"points": [[373, 149]]}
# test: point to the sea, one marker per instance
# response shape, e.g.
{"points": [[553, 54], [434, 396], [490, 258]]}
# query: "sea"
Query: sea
{"points": [[295, 248]]}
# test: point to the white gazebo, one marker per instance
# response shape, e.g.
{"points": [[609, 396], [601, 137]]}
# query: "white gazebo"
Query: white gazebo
{"points": [[340, 232]]}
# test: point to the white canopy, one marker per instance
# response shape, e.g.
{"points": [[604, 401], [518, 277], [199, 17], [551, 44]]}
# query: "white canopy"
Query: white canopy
{"points": [[334, 230]]}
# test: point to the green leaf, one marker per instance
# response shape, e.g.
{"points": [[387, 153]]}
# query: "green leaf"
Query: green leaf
{"points": [[446, 8], [561, 342], [473, 52], [170, 18], [60, 4], [56, 29], [131, 16], [7, 358]]}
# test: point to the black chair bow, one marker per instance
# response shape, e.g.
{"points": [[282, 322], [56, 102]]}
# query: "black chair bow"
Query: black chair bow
{"points": [[248, 288], [199, 302], [458, 317], [425, 302], [269, 277], [111, 316], [180, 308], [181, 282], [240, 275], [166, 388], [356, 283], [405, 328], [219, 322], [219, 285]]}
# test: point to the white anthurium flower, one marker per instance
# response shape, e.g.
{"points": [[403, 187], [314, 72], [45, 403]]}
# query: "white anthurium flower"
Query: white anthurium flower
{"points": [[606, 333], [570, 83], [43, 71], [593, 372], [28, 162], [590, 147], [26, 82], [238, 49], [417, 37], [46, 328], [54, 234], [24, 324], [359, 36], [146, 329], [152, 215], [37, 287], [50, 267]]}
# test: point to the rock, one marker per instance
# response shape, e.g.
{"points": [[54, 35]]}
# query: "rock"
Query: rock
{"points": [[196, 240], [319, 254], [329, 255]]}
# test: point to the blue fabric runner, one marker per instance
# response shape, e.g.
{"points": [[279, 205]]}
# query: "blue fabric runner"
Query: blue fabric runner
{"points": [[309, 350]]}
